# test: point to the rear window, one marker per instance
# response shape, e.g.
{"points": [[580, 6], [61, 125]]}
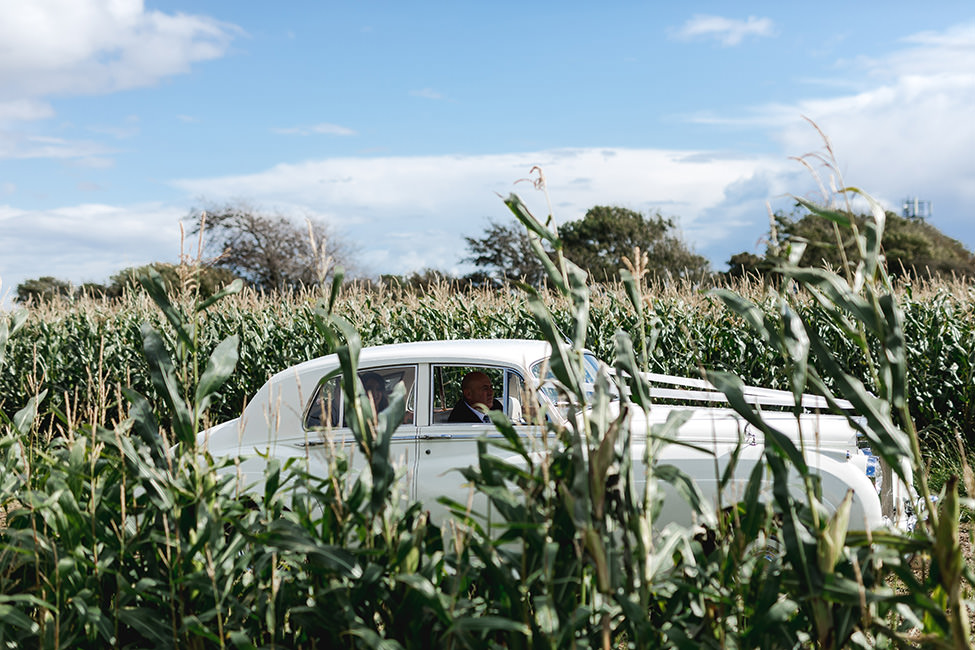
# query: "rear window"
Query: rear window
{"points": [[325, 410]]}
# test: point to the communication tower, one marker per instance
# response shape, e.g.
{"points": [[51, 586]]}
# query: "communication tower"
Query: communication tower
{"points": [[915, 208]]}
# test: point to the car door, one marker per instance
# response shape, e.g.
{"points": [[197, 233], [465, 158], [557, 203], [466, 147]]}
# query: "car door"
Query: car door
{"points": [[444, 446], [327, 432]]}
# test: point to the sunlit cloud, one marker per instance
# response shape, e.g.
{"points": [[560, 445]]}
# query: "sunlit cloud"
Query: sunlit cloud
{"points": [[68, 47], [911, 132], [727, 31], [951, 51], [61, 48]]}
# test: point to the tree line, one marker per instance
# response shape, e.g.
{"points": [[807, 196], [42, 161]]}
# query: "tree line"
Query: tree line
{"points": [[911, 246], [273, 251]]}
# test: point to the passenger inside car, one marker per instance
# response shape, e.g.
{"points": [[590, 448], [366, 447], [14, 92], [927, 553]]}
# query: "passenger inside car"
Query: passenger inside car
{"points": [[477, 394], [375, 387]]}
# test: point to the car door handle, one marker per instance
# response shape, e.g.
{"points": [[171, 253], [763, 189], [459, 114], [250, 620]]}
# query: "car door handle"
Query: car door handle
{"points": [[314, 443], [427, 436]]}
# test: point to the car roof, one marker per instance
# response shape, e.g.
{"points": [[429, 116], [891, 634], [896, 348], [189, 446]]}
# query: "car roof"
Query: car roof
{"points": [[482, 351]]}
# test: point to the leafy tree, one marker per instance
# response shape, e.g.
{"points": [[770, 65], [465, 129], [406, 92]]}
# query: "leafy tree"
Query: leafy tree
{"points": [[272, 250], [505, 253], [205, 280], [43, 289], [597, 242], [909, 245], [915, 245], [92, 289], [742, 264]]}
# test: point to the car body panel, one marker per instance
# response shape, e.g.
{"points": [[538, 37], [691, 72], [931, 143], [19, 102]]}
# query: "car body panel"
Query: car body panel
{"points": [[427, 451]]}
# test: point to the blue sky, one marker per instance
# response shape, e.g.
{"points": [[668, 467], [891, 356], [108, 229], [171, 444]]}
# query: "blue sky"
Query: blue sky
{"points": [[400, 123]]}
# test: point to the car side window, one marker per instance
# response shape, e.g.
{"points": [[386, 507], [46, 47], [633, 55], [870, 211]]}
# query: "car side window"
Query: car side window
{"points": [[325, 410], [507, 386]]}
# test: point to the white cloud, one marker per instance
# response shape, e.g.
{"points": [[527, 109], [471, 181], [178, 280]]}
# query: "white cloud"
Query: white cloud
{"points": [[97, 46], [727, 31], [17, 145], [440, 199], [905, 129], [22, 110], [318, 129], [71, 47], [934, 53], [910, 133], [85, 242], [427, 93], [408, 213]]}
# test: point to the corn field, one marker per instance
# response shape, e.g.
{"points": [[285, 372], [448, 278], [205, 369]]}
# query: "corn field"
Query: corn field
{"points": [[80, 352], [117, 531]]}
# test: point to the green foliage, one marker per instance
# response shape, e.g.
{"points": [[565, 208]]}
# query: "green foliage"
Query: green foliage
{"points": [[203, 280], [419, 282], [910, 246], [42, 289], [744, 264], [115, 537], [598, 243]]}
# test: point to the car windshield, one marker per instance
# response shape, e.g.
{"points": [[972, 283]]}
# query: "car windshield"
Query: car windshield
{"points": [[547, 386]]}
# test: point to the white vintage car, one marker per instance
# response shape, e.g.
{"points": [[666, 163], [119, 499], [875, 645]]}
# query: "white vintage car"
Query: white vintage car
{"points": [[299, 413]]}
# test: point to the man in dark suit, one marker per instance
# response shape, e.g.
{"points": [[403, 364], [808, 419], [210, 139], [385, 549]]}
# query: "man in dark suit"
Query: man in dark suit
{"points": [[477, 394]]}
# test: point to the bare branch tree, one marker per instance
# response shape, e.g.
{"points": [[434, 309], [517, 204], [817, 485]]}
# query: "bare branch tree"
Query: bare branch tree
{"points": [[272, 250]]}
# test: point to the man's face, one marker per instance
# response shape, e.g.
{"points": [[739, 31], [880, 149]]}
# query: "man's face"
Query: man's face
{"points": [[479, 391]]}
